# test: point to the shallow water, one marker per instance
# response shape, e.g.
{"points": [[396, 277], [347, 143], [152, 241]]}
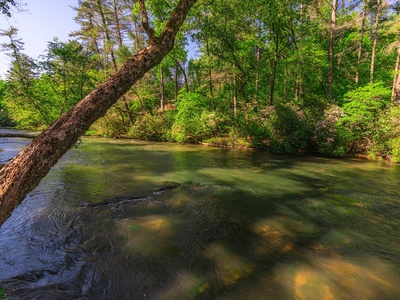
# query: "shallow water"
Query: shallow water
{"points": [[240, 225]]}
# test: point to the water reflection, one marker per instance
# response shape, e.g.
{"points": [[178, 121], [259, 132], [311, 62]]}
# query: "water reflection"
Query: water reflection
{"points": [[241, 225]]}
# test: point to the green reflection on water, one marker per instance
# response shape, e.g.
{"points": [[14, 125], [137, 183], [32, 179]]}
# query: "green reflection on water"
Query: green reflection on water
{"points": [[243, 224]]}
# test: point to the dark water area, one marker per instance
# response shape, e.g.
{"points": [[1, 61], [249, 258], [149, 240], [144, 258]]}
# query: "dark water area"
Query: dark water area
{"points": [[227, 225]]}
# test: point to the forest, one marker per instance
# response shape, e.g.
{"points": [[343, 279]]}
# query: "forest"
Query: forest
{"points": [[292, 76]]}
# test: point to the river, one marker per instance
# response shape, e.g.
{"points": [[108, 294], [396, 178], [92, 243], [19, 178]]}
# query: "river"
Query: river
{"points": [[122, 219]]}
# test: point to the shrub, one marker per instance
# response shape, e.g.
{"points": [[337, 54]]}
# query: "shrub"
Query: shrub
{"points": [[194, 121], [329, 137], [387, 135], [110, 125], [361, 108], [257, 128], [291, 132], [150, 127]]}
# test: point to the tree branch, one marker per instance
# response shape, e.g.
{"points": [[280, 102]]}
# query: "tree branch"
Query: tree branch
{"points": [[145, 21]]}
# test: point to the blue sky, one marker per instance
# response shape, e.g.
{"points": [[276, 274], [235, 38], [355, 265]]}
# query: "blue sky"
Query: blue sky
{"points": [[44, 20]]}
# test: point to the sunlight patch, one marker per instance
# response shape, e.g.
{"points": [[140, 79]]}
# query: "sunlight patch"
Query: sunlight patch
{"points": [[185, 286], [330, 278], [230, 266], [148, 235]]}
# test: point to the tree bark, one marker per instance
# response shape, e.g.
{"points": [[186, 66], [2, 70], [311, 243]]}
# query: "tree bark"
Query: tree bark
{"points": [[184, 74], [234, 97], [176, 81], [396, 80], [162, 89], [360, 46], [24, 172], [210, 84], [331, 50], [375, 42]]}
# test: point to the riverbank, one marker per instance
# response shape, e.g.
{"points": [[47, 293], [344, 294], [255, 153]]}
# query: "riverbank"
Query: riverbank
{"points": [[226, 142]]}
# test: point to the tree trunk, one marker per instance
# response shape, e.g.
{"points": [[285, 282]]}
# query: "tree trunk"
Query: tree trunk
{"points": [[118, 26], [183, 73], [258, 59], [113, 58], [176, 81], [396, 80], [331, 48], [210, 84], [272, 77], [375, 42], [360, 46], [162, 90], [24, 172], [107, 33], [234, 97]]}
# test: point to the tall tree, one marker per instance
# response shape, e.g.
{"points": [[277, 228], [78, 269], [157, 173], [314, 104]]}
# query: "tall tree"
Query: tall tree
{"points": [[22, 75], [396, 80], [332, 31], [361, 43], [24, 172], [378, 8]]}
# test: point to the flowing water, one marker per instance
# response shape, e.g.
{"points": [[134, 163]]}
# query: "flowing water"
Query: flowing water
{"points": [[120, 219]]}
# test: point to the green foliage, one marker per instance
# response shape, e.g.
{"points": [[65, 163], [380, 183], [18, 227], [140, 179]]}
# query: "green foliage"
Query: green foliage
{"points": [[66, 77], [194, 120], [232, 140], [257, 79], [110, 125], [278, 129], [387, 135], [361, 109], [145, 101], [257, 127], [152, 127], [5, 119], [291, 131], [2, 294], [329, 137]]}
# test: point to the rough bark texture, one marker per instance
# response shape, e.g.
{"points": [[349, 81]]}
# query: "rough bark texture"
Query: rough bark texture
{"points": [[24, 172]]}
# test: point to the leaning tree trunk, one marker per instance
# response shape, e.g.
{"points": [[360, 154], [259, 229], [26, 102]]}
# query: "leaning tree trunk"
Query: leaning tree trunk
{"points": [[24, 172]]}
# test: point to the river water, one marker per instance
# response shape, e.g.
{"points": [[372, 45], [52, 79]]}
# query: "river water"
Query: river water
{"points": [[121, 219]]}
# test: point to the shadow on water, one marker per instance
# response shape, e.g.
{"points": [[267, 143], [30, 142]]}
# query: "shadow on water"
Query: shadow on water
{"points": [[242, 225]]}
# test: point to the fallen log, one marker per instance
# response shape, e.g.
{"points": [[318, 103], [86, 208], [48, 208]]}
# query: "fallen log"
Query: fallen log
{"points": [[116, 201], [138, 199]]}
